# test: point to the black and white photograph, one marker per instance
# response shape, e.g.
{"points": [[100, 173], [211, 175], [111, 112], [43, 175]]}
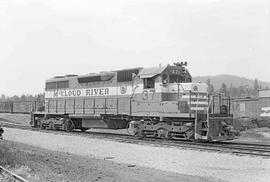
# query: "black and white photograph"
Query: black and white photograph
{"points": [[135, 91]]}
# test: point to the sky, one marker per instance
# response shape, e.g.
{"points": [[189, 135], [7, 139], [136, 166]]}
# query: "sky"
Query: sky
{"points": [[41, 39]]}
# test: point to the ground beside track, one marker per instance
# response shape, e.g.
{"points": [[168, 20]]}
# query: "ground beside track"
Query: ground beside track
{"points": [[23, 119], [255, 135], [208, 165], [38, 164]]}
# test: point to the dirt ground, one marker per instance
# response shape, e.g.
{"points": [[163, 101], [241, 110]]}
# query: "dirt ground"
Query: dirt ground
{"points": [[37, 164], [209, 165], [75, 158], [21, 119], [255, 135]]}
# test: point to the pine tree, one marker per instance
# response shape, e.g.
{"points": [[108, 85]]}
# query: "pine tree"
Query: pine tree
{"points": [[40, 97], [23, 97], [255, 87], [3, 97], [231, 90], [223, 89], [210, 88]]}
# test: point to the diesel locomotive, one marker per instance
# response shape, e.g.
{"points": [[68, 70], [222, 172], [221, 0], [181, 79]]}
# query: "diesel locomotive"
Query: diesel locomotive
{"points": [[160, 102]]}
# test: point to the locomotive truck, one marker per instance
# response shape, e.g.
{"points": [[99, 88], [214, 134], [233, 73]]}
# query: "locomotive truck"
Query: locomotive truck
{"points": [[160, 102]]}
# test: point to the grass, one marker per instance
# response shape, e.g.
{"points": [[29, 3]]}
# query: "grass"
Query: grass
{"points": [[8, 157], [14, 161], [246, 123]]}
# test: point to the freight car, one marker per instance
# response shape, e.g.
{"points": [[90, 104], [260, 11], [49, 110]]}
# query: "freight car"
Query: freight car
{"points": [[25, 107], [152, 102], [6, 107]]}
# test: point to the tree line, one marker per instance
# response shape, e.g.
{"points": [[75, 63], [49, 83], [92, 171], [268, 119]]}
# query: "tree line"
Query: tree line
{"points": [[240, 91], [23, 97]]}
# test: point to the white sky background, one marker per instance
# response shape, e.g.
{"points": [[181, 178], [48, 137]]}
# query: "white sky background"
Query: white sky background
{"points": [[40, 39]]}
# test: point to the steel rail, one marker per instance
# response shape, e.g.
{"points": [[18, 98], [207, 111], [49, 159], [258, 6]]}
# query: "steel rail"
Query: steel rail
{"points": [[188, 145], [13, 175]]}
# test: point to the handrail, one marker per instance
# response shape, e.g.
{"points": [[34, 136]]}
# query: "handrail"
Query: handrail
{"points": [[182, 87]]}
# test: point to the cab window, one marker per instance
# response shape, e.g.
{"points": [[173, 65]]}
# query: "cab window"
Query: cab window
{"points": [[149, 83], [164, 78], [176, 79]]}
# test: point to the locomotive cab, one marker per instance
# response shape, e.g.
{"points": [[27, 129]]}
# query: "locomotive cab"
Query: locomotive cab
{"points": [[175, 107]]}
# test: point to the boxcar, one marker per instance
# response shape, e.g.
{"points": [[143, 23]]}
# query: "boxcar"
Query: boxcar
{"points": [[6, 107], [23, 106]]}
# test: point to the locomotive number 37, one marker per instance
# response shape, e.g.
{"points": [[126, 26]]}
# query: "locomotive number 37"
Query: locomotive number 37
{"points": [[146, 94]]}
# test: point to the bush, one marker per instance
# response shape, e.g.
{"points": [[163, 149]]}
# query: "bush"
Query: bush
{"points": [[264, 122], [245, 123]]}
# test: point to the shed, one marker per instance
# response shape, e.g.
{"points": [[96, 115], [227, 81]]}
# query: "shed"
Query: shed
{"points": [[264, 98], [246, 107]]}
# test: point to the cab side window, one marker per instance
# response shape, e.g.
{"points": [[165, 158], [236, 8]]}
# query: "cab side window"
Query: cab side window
{"points": [[149, 83], [164, 78]]}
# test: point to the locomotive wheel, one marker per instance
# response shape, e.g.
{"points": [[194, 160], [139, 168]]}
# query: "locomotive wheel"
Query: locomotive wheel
{"points": [[162, 133], [189, 134], [69, 125], [132, 128], [51, 126], [42, 126]]}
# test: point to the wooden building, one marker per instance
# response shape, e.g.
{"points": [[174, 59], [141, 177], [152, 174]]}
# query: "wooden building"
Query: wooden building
{"points": [[264, 98], [250, 107], [245, 107]]}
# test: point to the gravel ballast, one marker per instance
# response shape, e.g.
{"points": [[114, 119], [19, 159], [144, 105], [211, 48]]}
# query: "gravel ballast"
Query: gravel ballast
{"points": [[212, 165]]}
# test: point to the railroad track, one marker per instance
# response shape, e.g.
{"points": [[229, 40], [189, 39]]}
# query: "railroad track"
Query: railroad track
{"points": [[222, 147], [10, 176], [239, 148]]}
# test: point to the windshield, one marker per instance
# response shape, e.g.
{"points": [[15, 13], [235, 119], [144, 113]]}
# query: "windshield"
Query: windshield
{"points": [[176, 79], [176, 74]]}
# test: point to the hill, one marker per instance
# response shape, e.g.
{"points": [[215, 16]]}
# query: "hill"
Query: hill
{"points": [[236, 81]]}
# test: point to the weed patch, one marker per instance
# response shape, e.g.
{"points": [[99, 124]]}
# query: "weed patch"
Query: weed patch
{"points": [[8, 157]]}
